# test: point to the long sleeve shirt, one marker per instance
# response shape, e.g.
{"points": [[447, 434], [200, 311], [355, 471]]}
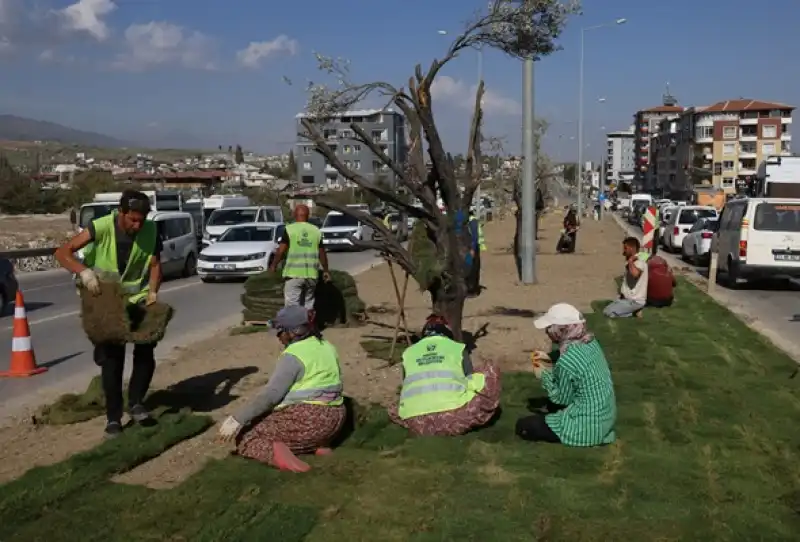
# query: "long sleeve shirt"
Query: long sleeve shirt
{"points": [[580, 380], [288, 370]]}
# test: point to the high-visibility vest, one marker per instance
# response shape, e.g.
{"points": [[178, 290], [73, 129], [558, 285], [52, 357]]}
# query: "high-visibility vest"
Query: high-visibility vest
{"points": [[481, 238], [302, 258], [102, 257], [434, 378], [322, 378]]}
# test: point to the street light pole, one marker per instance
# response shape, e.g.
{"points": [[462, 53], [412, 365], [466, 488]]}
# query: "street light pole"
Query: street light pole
{"points": [[528, 188]]}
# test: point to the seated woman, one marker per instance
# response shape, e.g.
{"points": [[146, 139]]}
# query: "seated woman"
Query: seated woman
{"points": [[442, 394], [582, 405], [301, 409]]}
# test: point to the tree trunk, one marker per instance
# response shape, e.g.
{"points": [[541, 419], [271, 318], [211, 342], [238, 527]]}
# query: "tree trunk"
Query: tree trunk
{"points": [[446, 302]]}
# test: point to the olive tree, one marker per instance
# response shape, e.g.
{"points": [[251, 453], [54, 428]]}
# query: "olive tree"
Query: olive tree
{"points": [[520, 29]]}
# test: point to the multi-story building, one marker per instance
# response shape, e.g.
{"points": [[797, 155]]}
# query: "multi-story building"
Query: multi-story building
{"points": [[620, 156], [645, 126], [721, 144], [386, 127]]}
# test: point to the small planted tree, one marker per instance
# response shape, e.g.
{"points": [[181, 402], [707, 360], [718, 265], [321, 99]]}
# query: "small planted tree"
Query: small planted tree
{"points": [[520, 29]]}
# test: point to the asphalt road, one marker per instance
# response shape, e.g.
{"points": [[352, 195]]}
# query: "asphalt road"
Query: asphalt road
{"points": [[60, 344]]}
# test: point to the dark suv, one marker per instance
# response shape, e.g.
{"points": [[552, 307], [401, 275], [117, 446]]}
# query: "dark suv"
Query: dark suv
{"points": [[8, 284]]}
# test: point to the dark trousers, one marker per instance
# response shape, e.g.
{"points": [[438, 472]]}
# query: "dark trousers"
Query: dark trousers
{"points": [[534, 428], [111, 360], [474, 275]]}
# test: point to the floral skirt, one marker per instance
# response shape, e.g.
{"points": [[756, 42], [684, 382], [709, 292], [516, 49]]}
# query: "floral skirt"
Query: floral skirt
{"points": [[474, 414], [303, 428]]}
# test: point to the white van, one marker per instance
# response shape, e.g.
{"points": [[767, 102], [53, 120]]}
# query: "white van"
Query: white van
{"points": [[759, 238], [640, 197], [177, 233], [222, 219]]}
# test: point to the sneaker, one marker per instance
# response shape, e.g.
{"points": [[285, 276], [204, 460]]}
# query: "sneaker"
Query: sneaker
{"points": [[141, 416], [113, 430]]}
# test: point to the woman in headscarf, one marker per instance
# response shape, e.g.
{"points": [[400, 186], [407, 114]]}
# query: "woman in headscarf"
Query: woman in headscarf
{"points": [[301, 409], [569, 237], [442, 393], [581, 408]]}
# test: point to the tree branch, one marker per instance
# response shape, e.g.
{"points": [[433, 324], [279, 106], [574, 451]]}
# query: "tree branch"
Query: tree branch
{"points": [[474, 166]]}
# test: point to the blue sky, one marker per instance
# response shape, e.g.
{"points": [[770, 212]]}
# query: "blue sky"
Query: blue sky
{"points": [[170, 69]]}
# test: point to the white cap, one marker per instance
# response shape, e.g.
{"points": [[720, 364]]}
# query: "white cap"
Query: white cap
{"points": [[560, 314]]}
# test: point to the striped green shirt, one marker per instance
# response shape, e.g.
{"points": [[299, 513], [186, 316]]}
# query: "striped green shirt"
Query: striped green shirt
{"points": [[581, 381]]}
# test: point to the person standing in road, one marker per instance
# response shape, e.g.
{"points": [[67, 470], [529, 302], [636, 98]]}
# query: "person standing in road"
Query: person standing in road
{"points": [[301, 247], [478, 245], [122, 246]]}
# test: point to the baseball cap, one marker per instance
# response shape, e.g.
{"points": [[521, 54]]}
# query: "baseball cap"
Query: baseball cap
{"points": [[560, 314], [291, 317]]}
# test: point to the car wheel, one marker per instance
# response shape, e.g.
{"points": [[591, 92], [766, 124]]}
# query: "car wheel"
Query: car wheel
{"points": [[731, 275], [190, 265], [3, 302], [207, 279], [684, 256]]}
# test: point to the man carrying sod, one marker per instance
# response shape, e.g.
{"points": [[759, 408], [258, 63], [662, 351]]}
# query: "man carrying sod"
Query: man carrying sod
{"points": [[301, 246], [122, 246]]}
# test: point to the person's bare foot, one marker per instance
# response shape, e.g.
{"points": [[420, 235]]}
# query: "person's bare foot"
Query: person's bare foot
{"points": [[640, 314], [286, 460], [323, 451]]}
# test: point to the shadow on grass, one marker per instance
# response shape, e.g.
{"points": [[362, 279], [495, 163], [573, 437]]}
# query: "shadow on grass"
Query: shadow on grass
{"points": [[201, 393], [511, 311]]}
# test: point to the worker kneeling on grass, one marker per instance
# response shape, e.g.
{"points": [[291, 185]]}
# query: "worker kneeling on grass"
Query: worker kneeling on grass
{"points": [[301, 409], [442, 394], [122, 246]]}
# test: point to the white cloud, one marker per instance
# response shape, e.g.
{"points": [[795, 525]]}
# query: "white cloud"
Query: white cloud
{"points": [[162, 43], [5, 45], [48, 55], [259, 51], [87, 16], [460, 94]]}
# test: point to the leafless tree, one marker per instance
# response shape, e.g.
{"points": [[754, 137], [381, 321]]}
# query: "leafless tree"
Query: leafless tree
{"points": [[520, 29]]}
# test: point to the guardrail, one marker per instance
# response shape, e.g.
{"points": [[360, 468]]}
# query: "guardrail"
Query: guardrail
{"points": [[27, 253]]}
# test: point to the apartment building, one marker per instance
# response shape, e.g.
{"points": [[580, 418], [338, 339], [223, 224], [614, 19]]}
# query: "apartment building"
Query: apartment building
{"points": [[646, 124], [386, 127], [619, 161], [720, 145]]}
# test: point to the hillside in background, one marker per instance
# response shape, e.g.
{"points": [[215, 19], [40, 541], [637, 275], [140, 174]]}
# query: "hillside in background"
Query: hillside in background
{"points": [[15, 128]]}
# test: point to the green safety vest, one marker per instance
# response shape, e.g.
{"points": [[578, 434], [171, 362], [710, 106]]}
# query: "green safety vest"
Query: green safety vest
{"points": [[302, 259], [101, 256], [321, 374], [434, 378], [481, 238]]}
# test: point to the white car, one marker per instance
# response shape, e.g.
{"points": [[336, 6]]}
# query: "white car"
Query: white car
{"points": [[681, 221], [340, 230], [696, 245], [222, 219], [243, 250]]}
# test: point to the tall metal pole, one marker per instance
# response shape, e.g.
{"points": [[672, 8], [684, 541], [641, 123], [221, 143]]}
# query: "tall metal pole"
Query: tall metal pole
{"points": [[528, 234], [579, 173]]}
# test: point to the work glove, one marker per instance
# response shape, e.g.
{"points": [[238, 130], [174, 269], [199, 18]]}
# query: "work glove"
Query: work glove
{"points": [[229, 429], [326, 276], [90, 281], [152, 297]]}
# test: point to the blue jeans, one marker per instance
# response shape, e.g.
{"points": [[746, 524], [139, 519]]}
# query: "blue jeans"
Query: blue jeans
{"points": [[622, 308]]}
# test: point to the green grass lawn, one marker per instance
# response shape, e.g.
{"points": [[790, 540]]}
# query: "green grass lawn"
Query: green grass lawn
{"points": [[708, 449]]}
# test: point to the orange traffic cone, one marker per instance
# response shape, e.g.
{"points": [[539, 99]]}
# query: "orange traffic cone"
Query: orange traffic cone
{"points": [[23, 362]]}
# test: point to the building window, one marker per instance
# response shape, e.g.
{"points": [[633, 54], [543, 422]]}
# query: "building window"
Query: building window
{"points": [[307, 166], [347, 164], [307, 150], [769, 131], [768, 149], [356, 148], [727, 182], [727, 165], [729, 149], [704, 132], [748, 148], [357, 164], [308, 179], [346, 134], [729, 132], [347, 149]]}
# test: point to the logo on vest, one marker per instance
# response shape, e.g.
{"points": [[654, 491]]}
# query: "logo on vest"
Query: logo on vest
{"points": [[431, 356], [304, 241]]}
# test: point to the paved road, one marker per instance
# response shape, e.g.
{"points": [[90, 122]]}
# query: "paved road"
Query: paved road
{"points": [[772, 305], [60, 344]]}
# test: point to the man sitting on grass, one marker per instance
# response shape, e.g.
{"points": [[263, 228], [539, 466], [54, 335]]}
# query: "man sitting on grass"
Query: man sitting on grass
{"points": [[633, 292]]}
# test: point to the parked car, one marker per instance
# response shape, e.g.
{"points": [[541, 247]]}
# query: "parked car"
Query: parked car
{"points": [[178, 235], [222, 219], [696, 245], [8, 284], [682, 220], [242, 250], [340, 230]]}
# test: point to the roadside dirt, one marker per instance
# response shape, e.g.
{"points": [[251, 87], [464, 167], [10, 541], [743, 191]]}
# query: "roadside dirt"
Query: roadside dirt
{"points": [[220, 372]]}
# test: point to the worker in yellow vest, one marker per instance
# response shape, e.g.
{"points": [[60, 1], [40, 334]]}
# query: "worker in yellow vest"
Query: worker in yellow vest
{"points": [[442, 394], [301, 247], [302, 401], [122, 246], [478, 245]]}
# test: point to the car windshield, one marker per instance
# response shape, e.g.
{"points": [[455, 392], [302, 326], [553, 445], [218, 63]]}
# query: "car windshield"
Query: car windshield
{"points": [[248, 233], [777, 217], [93, 212], [230, 217], [338, 221], [690, 216]]}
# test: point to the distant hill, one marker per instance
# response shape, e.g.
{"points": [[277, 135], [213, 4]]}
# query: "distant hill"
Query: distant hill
{"points": [[15, 128]]}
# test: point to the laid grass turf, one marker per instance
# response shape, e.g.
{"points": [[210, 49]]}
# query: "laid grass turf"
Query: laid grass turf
{"points": [[708, 449]]}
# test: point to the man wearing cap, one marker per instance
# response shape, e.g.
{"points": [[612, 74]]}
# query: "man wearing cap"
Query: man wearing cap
{"points": [[301, 245], [581, 404], [301, 409]]}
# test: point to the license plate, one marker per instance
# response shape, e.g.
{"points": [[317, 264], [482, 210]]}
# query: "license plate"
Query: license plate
{"points": [[225, 266], [787, 257], [337, 241]]}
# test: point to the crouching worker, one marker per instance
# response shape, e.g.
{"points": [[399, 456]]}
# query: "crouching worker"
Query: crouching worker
{"points": [[301, 409], [442, 394], [582, 407], [122, 246]]}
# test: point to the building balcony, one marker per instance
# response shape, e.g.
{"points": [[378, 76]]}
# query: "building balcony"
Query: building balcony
{"points": [[330, 169], [748, 137], [786, 137], [747, 154], [786, 120], [745, 171], [704, 140], [748, 122]]}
